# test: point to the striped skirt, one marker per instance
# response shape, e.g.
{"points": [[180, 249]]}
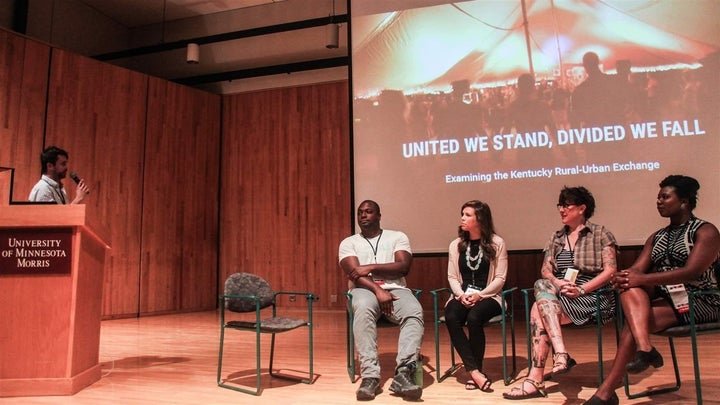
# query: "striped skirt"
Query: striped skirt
{"points": [[583, 309]]}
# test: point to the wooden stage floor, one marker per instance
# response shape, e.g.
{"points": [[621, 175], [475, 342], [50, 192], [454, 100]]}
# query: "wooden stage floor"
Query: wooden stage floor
{"points": [[172, 359]]}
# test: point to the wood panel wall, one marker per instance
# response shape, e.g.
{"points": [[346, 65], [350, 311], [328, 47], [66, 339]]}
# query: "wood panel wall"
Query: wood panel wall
{"points": [[180, 200], [97, 113], [23, 90], [285, 190], [148, 149]]}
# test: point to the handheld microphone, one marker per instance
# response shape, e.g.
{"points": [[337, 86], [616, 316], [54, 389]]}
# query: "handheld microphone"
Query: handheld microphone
{"points": [[75, 178]]}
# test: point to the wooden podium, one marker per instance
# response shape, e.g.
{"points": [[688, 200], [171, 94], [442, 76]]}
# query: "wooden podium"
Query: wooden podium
{"points": [[49, 313]]}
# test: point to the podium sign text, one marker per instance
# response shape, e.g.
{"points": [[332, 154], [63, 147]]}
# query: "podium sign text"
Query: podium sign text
{"points": [[35, 250]]}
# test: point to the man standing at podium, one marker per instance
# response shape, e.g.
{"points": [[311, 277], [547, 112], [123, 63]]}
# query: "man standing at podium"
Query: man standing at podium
{"points": [[54, 163]]}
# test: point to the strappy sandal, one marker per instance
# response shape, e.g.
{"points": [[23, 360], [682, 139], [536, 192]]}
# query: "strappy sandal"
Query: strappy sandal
{"points": [[562, 363], [539, 391], [485, 387]]}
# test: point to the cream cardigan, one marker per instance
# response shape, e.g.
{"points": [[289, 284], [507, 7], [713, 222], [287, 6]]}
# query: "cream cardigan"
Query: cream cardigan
{"points": [[496, 276]]}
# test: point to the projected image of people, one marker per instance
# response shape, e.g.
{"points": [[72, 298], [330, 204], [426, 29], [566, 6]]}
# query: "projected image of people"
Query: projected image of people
{"points": [[477, 270], [484, 96], [529, 111], [597, 101], [457, 114], [580, 258], [680, 258]]}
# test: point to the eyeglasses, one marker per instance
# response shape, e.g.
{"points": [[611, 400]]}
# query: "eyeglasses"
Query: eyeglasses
{"points": [[565, 206]]}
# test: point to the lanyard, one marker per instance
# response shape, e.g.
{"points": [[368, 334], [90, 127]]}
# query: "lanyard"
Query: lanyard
{"points": [[567, 237], [58, 191], [374, 248]]}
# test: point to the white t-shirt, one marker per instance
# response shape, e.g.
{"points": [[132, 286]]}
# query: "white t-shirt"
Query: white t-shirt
{"points": [[380, 249]]}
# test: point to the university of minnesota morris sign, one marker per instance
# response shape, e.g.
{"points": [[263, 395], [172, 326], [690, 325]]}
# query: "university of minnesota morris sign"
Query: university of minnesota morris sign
{"points": [[26, 251]]}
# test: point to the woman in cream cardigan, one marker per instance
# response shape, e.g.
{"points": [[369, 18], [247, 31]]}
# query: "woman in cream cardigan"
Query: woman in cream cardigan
{"points": [[477, 268]]}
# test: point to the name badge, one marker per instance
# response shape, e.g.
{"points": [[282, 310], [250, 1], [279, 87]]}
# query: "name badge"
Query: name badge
{"points": [[679, 297], [471, 289], [571, 274]]}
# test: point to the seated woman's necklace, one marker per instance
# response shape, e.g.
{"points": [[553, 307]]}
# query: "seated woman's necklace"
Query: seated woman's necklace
{"points": [[477, 258]]}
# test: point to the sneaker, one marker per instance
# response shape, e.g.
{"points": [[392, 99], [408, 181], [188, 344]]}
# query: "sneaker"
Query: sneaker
{"points": [[369, 387], [643, 360], [404, 385]]}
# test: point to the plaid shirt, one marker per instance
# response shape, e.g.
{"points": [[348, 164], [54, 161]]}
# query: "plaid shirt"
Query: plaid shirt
{"points": [[588, 248]]}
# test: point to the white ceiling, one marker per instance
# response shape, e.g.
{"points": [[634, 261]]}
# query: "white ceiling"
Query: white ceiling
{"points": [[158, 31]]}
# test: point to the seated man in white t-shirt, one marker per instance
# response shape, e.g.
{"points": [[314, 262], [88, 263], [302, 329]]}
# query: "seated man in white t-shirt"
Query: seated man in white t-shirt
{"points": [[376, 262]]}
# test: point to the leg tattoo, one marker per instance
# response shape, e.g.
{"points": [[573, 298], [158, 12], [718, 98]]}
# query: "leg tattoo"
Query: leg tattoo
{"points": [[550, 312], [540, 345]]}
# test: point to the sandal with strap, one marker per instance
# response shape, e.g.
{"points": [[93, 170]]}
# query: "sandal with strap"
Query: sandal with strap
{"points": [[485, 387], [539, 391], [562, 363]]}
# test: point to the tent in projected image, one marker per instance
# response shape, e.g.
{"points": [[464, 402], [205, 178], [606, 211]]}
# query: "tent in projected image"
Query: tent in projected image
{"points": [[438, 119], [426, 49]]}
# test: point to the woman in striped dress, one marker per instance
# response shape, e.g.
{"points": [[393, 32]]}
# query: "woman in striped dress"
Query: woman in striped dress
{"points": [[684, 256], [580, 258]]}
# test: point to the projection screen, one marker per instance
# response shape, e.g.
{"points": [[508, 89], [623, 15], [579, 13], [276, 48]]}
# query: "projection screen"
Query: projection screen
{"points": [[439, 117]]}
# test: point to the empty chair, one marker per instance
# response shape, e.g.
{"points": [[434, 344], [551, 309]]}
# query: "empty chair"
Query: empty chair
{"points": [[249, 293]]}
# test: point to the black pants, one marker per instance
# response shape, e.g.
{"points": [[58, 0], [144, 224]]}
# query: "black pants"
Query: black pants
{"points": [[470, 347]]}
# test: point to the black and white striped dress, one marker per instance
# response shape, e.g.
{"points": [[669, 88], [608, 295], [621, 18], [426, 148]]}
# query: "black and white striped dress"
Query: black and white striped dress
{"points": [[671, 249], [583, 309]]}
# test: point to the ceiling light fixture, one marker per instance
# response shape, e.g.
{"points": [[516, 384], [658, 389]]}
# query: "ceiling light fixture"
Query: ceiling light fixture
{"points": [[193, 53], [332, 31]]}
